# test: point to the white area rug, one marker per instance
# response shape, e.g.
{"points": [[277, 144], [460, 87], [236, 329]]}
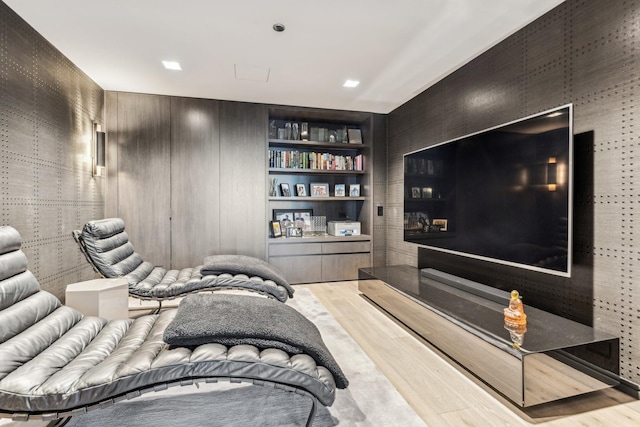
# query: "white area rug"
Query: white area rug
{"points": [[370, 399]]}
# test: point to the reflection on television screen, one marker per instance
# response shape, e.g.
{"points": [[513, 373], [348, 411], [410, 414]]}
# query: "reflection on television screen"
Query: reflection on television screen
{"points": [[503, 194]]}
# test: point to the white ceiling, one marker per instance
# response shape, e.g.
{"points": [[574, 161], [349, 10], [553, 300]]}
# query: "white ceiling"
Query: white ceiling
{"points": [[395, 48]]}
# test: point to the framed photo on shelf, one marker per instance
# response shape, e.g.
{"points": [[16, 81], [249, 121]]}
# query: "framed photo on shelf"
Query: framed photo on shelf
{"points": [[355, 136], [294, 232], [416, 193], [285, 191], [340, 190], [427, 192], [319, 189], [354, 190], [300, 218], [439, 223], [284, 217], [274, 229], [301, 190]]}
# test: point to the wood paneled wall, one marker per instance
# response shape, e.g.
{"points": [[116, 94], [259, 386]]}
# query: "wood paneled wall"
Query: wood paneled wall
{"points": [[190, 179], [243, 172], [47, 111], [585, 53], [195, 180], [142, 138]]}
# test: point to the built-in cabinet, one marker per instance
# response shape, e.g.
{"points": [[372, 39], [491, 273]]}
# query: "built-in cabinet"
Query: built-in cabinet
{"points": [[308, 147], [242, 170], [138, 130], [320, 259], [190, 177], [187, 175], [195, 150]]}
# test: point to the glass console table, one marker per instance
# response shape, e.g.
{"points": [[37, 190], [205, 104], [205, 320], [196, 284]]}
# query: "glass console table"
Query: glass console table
{"points": [[557, 358]]}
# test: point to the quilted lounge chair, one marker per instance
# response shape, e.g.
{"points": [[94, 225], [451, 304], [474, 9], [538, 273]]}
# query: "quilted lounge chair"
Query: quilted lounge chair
{"points": [[106, 246], [55, 362]]}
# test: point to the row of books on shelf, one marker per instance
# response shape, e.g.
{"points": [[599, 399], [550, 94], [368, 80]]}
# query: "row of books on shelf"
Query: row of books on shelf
{"points": [[311, 160]]}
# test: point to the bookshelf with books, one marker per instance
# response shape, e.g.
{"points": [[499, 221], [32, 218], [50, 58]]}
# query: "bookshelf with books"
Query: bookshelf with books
{"points": [[314, 160], [318, 162]]}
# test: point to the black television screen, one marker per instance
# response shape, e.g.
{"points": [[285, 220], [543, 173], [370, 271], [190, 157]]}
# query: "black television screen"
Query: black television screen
{"points": [[502, 195]]}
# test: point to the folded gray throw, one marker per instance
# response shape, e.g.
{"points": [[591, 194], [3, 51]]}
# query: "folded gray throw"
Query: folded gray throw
{"points": [[243, 319], [242, 264]]}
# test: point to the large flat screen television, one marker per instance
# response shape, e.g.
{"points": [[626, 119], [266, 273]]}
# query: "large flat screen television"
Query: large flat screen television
{"points": [[502, 195]]}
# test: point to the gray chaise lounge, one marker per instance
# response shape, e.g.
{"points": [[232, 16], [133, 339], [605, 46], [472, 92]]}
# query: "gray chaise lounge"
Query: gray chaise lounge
{"points": [[55, 362], [106, 246]]}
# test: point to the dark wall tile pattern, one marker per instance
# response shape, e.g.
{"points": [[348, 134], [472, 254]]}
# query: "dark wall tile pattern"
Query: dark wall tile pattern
{"points": [[47, 110], [585, 53]]}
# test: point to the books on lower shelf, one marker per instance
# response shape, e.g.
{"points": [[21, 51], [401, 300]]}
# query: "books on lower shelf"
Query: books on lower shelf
{"points": [[295, 159]]}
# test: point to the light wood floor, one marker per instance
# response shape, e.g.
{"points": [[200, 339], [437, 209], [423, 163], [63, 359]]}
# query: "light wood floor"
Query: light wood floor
{"points": [[442, 393]]}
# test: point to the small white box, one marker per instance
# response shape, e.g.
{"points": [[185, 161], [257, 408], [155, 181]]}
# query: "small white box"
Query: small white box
{"points": [[107, 298], [344, 228]]}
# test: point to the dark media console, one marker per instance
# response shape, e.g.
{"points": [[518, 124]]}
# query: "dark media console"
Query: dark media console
{"points": [[558, 358]]}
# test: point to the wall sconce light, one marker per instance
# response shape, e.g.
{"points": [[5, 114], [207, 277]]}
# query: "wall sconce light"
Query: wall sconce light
{"points": [[99, 149], [552, 174]]}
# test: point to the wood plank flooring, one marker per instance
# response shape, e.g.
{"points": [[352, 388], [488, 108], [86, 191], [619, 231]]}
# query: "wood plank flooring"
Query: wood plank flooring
{"points": [[444, 394]]}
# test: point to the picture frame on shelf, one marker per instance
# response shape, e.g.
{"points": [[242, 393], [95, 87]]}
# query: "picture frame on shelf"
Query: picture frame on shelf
{"points": [[302, 218], [354, 190], [439, 224], [294, 232], [285, 191], [301, 190], [284, 217], [274, 229], [354, 136], [427, 192], [319, 189], [340, 190], [416, 193], [293, 217], [314, 134]]}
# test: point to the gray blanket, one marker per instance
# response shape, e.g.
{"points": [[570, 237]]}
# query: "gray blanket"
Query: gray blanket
{"points": [[242, 264], [242, 319]]}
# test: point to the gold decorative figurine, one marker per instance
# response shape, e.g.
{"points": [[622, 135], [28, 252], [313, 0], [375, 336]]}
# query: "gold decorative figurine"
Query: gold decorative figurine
{"points": [[515, 312], [515, 320]]}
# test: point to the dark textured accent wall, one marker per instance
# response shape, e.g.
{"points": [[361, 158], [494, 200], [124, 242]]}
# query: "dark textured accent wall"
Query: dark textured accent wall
{"points": [[47, 110], [585, 53]]}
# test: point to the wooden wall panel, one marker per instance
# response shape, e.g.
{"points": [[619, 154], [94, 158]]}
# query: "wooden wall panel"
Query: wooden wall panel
{"points": [[195, 181], [191, 176], [144, 172], [47, 110], [243, 178], [585, 53]]}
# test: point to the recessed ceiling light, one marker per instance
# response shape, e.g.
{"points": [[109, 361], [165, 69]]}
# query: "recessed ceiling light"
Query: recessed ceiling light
{"points": [[172, 65], [351, 83]]}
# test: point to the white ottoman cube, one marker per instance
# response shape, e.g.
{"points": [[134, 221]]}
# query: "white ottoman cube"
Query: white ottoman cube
{"points": [[107, 298]]}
